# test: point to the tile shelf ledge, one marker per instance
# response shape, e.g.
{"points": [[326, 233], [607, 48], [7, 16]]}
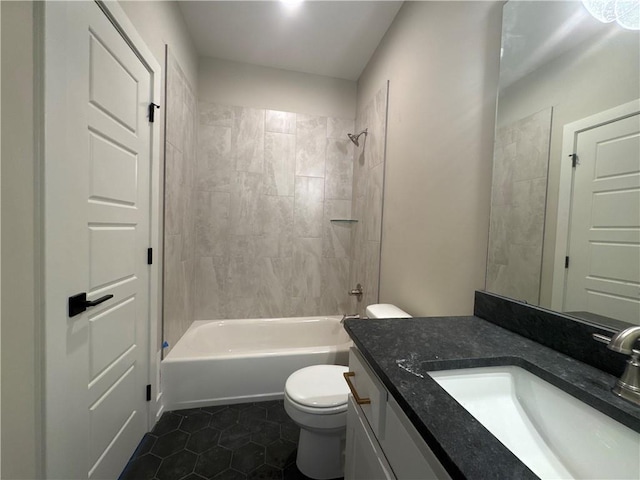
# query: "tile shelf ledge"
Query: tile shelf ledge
{"points": [[343, 220]]}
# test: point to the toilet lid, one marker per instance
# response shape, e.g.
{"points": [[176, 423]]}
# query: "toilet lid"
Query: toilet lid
{"points": [[318, 386]]}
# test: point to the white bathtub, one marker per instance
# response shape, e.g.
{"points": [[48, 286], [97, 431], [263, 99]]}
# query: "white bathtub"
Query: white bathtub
{"points": [[220, 362]]}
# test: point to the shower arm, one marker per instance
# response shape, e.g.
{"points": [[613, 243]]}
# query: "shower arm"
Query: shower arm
{"points": [[354, 138]]}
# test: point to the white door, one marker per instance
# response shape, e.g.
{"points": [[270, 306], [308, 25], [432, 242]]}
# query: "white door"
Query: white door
{"points": [[603, 276], [97, 231]]}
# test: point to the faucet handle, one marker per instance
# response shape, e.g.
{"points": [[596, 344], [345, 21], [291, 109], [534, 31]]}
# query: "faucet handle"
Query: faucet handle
{"points": [[624, 341], [621, 342], [628, 385], [601, 338]]}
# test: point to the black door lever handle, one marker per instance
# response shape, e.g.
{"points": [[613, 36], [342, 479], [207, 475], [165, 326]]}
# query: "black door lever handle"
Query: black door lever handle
{"points": [[79, 303], [98, 301]]}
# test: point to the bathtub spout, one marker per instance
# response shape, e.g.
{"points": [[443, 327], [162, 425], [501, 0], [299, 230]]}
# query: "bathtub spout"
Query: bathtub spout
{"points": [[346, 316]]}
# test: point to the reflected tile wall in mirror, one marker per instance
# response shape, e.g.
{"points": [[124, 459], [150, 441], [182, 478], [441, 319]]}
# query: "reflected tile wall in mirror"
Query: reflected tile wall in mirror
{"points": [[518, 200]]}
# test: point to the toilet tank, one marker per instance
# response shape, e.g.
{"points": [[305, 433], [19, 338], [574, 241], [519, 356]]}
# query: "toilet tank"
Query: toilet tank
{"points": [[385, 310]]}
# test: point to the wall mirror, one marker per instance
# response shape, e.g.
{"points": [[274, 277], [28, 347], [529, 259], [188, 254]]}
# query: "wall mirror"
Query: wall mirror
{"points": [[567, 80]]}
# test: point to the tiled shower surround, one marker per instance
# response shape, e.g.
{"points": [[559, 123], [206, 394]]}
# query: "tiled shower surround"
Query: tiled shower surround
{"points": [[518, 202], [267, 184], [249, 203]]}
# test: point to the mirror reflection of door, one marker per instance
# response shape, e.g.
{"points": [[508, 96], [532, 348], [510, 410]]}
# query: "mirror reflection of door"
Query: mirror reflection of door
{"points": [[603, 271]]}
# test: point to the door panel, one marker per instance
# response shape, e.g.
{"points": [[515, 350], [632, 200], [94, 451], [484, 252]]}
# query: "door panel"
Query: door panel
{"points": [[111, 334], [112, 252], [612, 158], [616, 209], [112, 88], [612, 305], [107, 416], [121, 446], [97, 230], [113, 171], [614, 260]]}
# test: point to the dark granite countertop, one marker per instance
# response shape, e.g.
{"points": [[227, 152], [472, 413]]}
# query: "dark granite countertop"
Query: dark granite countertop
{"points": [[401, 352]]}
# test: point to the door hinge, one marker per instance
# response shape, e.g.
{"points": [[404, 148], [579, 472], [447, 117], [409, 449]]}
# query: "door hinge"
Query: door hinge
{"points": [[149, 393], [566, 262], [574, 159], [152, 111], [149, 256]]}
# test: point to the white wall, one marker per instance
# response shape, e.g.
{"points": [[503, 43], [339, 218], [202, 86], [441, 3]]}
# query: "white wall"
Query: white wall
{"points": [[20, 331], [244, 85], [595, 76], [442, 60], [160, 23]]}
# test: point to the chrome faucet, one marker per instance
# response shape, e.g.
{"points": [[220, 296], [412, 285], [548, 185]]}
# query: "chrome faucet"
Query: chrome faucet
{"points": [[357, 292], [347, 316], [628, 386]]}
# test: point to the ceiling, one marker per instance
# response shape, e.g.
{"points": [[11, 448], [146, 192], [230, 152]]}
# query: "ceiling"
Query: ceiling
{"points": [[331, 38], [534, 33]]}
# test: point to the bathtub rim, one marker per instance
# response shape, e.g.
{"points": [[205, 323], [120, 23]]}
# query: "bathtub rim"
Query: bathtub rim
{"points": [[341, 347]]}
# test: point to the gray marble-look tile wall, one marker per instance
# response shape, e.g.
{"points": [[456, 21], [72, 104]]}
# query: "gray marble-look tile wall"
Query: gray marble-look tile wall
{"points": [[518, 202], [267, 185], [179, 214], [366, 205]]}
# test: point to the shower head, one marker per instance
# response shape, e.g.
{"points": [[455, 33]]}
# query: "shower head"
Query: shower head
{"points": [[354, 138]]}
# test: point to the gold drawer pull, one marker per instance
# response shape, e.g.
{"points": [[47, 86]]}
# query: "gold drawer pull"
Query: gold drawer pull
{"points": [[359, 401]]}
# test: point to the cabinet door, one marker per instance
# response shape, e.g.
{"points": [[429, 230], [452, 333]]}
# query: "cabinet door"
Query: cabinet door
{"points": [[367, 385], [364, 457], [406, 450]]}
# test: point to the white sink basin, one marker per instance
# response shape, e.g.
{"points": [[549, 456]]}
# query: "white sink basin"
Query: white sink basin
{"points": [[551, 432]]}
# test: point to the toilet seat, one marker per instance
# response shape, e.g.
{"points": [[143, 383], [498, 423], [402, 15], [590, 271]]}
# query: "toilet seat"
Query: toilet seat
{"points": [[315, 410], [318, 390]]}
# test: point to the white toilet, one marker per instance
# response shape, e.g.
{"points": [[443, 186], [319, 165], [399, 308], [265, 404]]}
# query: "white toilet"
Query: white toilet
{"points": [[316, 400]]}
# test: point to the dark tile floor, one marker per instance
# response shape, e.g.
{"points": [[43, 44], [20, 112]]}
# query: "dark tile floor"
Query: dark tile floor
{"points": [[230, 442]]}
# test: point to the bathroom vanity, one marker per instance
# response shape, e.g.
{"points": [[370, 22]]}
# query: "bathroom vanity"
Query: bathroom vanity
{"points": [[382, 443], [412, 428]]}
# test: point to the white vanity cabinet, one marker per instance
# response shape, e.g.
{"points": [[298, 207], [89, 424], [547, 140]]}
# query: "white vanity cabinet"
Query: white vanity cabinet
{"points": [[364, 459], [381, 441]]}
